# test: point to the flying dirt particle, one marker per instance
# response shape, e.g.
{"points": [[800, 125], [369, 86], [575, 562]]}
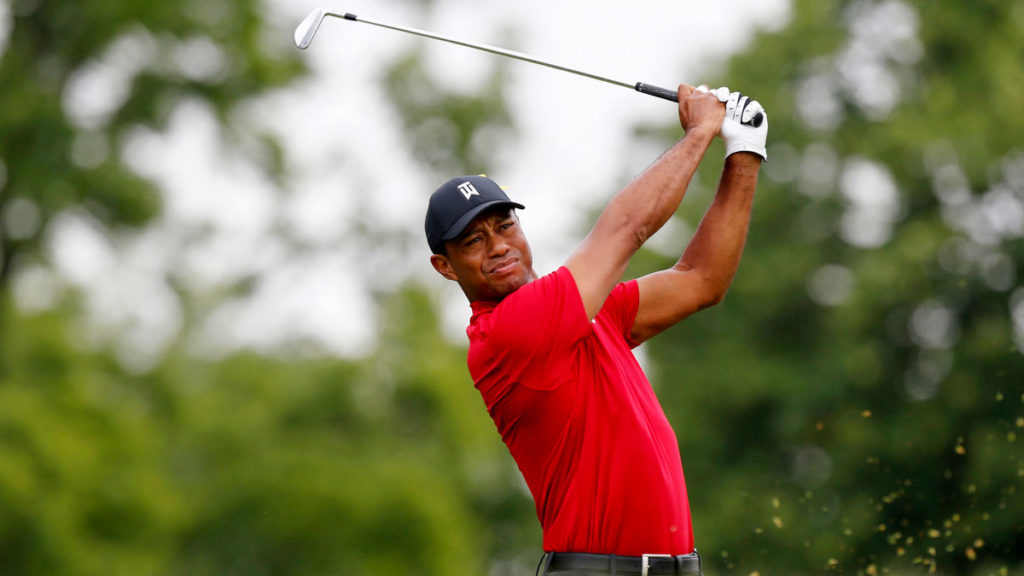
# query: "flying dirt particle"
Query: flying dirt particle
{"points": [[866, 414]]}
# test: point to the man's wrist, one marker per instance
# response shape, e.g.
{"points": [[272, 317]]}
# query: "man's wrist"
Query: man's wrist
{"points": [[744, 161], [747, 148], [701, 132]]}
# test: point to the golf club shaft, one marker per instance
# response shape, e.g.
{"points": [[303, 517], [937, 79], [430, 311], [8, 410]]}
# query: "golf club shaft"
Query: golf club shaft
{"points": [[648, 89]]}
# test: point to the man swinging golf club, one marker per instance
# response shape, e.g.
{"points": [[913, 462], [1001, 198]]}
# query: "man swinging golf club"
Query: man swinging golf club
{"points": [[551, 355]]}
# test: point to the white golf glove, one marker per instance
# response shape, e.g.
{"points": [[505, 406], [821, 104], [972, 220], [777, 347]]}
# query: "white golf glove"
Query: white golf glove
{"points": [[721, 93], [738, 131]]}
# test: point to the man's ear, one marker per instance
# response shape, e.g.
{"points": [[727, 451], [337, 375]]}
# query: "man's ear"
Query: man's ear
{"points": [[443, 266]]}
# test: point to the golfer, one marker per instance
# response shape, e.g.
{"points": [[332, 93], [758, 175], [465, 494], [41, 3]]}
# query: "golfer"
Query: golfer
{"points": [[551, 355]]}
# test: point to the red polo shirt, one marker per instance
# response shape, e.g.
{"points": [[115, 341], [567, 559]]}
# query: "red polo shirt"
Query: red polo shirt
{"points": [[581, 420]]}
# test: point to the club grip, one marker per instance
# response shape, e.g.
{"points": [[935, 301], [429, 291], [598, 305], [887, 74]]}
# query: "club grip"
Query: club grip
{"points": [[673, 96], [670, 95]]}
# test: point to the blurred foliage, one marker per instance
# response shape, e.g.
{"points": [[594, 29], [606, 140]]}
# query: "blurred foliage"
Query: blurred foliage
{"points": [[449, 131], [852, 407], [249, 465], [78, 77]]}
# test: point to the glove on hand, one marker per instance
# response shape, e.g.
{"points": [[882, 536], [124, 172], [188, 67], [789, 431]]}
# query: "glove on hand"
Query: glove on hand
{"points": [[721, 93], [737, 132]]}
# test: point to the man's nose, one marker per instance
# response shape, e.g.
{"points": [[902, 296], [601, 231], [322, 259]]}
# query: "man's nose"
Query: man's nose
{"points": [[498, 245]]}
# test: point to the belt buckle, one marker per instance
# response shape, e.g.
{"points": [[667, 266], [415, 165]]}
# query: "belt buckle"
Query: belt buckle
{"points": [[645, 562]]}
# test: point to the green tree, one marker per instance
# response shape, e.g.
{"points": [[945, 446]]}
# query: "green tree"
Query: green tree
{"points": [[78, 77], [854, 404], [852, 407], [246, 465]]}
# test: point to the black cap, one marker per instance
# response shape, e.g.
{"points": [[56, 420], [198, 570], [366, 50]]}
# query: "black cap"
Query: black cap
{"points": [[454, 205]]}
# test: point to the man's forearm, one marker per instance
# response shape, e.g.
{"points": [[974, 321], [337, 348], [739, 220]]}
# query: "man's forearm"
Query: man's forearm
{"points": [[717, 245], [652, 198], [643, 206]]}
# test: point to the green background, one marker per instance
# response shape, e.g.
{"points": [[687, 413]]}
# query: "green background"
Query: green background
{"points": [[852, 407]]}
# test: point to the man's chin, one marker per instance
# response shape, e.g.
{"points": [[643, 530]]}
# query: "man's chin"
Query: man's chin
{"points": [[506, 286]]}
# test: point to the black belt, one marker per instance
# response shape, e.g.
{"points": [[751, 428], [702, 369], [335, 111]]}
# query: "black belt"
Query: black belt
{"points": [[646, 565]]}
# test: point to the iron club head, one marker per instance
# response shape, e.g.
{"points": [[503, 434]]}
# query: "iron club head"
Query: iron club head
{"points": [[306, 29]]}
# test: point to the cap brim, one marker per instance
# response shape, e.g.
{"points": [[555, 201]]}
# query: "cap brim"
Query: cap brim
{"points": [[460, 225]]}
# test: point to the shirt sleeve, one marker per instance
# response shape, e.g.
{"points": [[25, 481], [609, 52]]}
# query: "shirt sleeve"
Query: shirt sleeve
{"points": [[620, 309], [534, 330]]}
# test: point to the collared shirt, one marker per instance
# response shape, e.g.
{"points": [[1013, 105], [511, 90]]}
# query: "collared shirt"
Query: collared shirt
{"points": [[581, 420]]}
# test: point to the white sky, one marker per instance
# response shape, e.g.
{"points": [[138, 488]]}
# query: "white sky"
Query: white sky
{"points": [[339, 132]]}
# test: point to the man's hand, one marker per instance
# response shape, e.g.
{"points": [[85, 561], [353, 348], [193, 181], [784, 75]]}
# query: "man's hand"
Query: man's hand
{"points": [[737, 132], [700, 109]]}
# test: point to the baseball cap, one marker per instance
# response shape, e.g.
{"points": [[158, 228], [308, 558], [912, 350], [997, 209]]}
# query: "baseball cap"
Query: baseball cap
{"points": [[454, 205]]}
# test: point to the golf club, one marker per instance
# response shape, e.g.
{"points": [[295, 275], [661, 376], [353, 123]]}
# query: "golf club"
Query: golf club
{"points": [[307, 29]]}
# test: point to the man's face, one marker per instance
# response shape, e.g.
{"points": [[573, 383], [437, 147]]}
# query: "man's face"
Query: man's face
{"points": [[490, 259]]}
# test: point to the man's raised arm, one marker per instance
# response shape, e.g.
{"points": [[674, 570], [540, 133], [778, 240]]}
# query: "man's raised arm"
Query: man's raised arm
{"points": [[705, 271], [641, 208]]}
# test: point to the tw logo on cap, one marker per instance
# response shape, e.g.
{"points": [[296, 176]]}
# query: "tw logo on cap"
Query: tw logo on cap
{"points": [[468, 190]]}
